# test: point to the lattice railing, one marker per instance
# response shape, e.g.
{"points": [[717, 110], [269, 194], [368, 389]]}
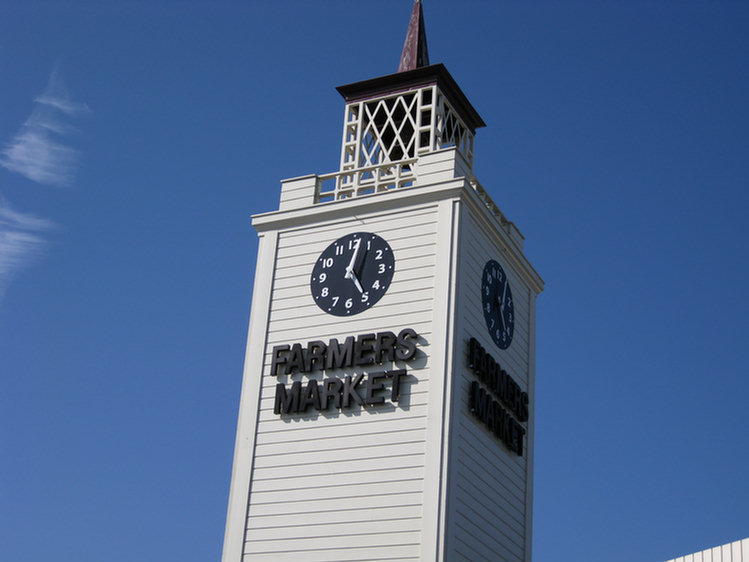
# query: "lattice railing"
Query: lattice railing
{"points": [[487, 201], [365, 181]]}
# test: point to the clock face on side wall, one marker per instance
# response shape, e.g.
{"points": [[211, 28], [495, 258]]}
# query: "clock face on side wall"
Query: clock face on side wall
{"points": [[352, 274], [496, 300]]}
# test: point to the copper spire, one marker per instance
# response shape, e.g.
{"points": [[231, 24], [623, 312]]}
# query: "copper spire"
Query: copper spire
{"points": [[415, 53]]}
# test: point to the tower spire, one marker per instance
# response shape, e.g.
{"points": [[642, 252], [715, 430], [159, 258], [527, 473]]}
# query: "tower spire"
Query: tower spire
{"points": [[415, 53]]}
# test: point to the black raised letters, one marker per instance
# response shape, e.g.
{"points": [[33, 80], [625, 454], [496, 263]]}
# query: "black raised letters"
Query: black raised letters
{"points": [[331, 389], [365, 345], [349, 390], [406, 344], [278, 358], [340, 355], [502, 416], [287, 401], [364, 389]]}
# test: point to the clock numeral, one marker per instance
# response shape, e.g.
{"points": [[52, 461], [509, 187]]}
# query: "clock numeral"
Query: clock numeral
{"points": [[335, 300], [349, 303], [378, 255], [327, 262], [339, 249], [324, 292], [381, 268], [323, 277], [365, 296], [376, 284]]}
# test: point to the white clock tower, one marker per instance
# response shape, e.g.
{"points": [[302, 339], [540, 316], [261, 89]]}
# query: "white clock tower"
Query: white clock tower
{"points": [[388, 395]]}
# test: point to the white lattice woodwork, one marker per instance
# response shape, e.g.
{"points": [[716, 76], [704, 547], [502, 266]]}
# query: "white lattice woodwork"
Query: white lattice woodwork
{"points": [[395, 129]]}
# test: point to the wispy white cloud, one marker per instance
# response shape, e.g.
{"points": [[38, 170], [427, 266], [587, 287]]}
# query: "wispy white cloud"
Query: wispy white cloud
{"points": [[20, 242], [39, 150]]}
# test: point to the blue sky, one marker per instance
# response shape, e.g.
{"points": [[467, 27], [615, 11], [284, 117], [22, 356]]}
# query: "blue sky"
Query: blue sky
{"points": [[136, 139]]}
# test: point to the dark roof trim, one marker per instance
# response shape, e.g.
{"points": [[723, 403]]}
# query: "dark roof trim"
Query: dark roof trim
{"points": [[411, 79]]}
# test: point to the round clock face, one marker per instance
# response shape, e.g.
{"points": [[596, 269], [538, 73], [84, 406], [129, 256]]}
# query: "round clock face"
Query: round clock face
{"points": [[496, 299], [352, 274]]}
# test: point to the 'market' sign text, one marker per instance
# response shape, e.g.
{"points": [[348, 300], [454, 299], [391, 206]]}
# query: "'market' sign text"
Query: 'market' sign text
{"points": [[504, 405]]}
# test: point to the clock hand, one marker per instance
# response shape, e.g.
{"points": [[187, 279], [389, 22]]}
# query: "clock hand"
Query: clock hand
{"points": [[350, 268], [359, 263], [500, 303], [355, 279]]}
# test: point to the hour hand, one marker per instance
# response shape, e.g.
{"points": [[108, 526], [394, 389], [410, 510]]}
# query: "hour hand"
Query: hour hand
{"points": [[350, 268], [351, 275], [498, 305]]}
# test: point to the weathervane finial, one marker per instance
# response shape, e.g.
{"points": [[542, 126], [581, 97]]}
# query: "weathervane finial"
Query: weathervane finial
{"points": [[415, 53]]}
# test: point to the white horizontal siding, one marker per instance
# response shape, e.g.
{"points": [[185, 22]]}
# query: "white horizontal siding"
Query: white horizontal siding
{"points": [[371, 474], [362, 451], [348, 484], [488, 482], [276, 429], [350, 515], [325, 506], [327, 546], [311, 495], [498, 468], [313, 530], [387, 550]]}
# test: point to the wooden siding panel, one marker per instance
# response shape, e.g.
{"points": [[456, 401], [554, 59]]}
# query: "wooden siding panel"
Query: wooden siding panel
{"points": [[363, 451], [388, 552], [339, 529], [395, 462], [353, 440], [276, 430], [334, 491], [349, 515], [372, 474], [334, 505], [307, 545]]}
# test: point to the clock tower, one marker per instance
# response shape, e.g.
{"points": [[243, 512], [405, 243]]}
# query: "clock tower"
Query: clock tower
{"points": [[388, 394]]}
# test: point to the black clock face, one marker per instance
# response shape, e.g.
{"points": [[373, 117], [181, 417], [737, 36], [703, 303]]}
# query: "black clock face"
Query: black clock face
{"points": [[496, 299], [352, 274]]}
